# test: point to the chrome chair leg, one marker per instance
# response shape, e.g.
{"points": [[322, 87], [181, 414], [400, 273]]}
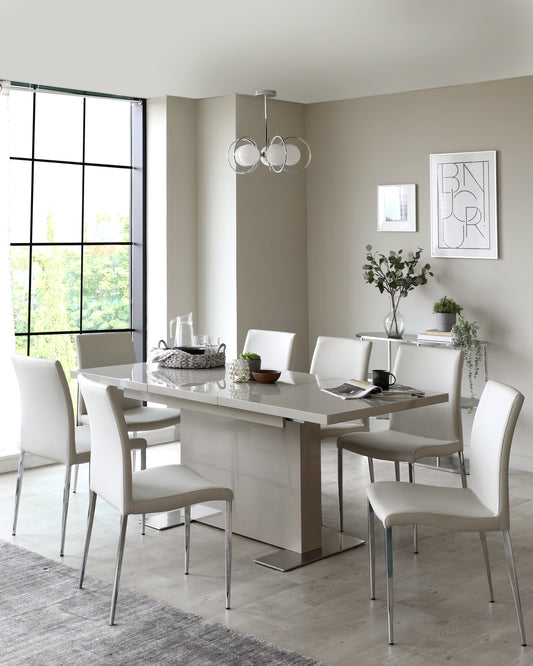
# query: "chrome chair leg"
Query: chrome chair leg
{"points": [[18, 488], [397, 470], [415, 527], [371, 470], [66, 493], [75, 478], [187, 536], [143, 516], [486, 562], [508, 548], [462, 468], [340, 489], [88, 532], [388, 561], [228, 550], [118, 567], [371, 551]]}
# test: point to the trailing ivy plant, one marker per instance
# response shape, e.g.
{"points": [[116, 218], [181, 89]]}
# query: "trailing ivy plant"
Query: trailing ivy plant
{"points": [[395, 274], [464, 336]]}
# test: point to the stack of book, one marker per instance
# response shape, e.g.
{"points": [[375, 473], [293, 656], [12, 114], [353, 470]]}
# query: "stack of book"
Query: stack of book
{"points": [[432, 335]]}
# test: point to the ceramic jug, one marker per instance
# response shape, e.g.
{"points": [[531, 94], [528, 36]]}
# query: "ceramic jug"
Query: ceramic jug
{"points": [[184, 330]]}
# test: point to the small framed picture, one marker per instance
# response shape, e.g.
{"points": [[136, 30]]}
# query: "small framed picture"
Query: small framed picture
{"points": [[396, 207]]}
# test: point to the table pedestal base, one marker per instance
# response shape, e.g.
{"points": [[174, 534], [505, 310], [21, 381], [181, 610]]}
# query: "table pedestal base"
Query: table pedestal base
{"points": [[333, 542]]}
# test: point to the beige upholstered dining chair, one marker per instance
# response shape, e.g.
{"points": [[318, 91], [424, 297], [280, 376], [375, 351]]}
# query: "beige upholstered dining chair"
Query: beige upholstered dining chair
{"points": [[483, 507], [341, 358], [157, 489], [432, 431], [47, 427], [274, 347]]}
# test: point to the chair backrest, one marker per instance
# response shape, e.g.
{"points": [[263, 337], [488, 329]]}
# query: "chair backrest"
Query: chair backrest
{"points": [[490, 445], [110, 466], [346, 358], [431, 368], [47, 425], [102, 349], [274, 347]]}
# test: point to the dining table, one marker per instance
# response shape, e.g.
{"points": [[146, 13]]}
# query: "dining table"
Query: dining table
{"points": [[263, 441]]}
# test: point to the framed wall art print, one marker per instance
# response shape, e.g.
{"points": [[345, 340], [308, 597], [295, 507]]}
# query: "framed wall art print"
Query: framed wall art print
{"points": [[396, 207], [463, 205]]}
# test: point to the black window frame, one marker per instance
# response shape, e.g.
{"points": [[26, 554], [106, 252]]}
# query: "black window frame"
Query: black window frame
{"points": [[137, 241]]}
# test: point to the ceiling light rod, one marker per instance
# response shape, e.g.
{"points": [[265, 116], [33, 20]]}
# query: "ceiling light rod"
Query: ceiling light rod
{"points": [[291, 154]]}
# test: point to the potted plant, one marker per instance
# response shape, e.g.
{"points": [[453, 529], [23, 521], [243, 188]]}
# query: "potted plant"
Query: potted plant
{"points": [[254, 361], [446, 311], [397, 276], [464, 336]]}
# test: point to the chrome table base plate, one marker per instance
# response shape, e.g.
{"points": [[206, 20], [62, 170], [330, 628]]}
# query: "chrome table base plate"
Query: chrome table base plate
{"points": [[333, 542]]}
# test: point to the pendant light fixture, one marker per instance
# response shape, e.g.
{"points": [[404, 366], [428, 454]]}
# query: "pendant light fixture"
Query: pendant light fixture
{"points": [[290, 154]]}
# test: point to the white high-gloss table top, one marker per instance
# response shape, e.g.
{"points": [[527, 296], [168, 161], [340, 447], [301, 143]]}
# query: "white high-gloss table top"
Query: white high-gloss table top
{"points": [[296, 395]]}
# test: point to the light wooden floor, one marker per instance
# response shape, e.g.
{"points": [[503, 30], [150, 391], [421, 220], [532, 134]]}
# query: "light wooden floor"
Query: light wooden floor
{"points": [[322, 610]]}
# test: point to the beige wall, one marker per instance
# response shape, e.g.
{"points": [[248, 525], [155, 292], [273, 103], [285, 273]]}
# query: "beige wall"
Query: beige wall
{"points": [[358, 144], [231, 248], [271, 234], [171, 213]]}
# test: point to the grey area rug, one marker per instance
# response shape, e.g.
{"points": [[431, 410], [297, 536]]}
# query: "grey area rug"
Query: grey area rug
{"points": [[45, 619]]}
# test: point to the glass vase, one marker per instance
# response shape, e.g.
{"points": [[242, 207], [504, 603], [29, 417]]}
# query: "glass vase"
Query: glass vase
{"points": [[394, 324]]}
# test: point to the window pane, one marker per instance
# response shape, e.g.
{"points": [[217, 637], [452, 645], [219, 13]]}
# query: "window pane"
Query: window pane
{"points": [[57, 347], [21, 344], [57, 203], [19, 201], [58, 127], [108, 131], [20, 272], [106, 287], [107, 204], [55, 289], [20, 123]]}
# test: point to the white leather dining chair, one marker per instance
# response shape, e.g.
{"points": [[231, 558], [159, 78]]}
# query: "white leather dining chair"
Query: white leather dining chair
{"points": [[47, 426], [103, 349], [274, 347], [483, 507], [432, 431], [341, 358], [157, 489]]}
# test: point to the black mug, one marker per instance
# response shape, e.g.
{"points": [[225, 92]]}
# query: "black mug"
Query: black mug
{"points": [[383, 379]]}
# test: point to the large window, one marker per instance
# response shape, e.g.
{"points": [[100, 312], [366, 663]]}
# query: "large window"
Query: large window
{"points": [[76, 219]]}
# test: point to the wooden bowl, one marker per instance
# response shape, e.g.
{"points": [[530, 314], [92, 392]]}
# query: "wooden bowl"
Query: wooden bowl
{"points": [[266, 376]]}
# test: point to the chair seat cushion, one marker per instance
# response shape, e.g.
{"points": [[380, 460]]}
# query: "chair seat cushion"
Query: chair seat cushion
{"points": [[172, 487], [339, 429], [399, 503], [151, 418], [83, 445], [395, 445], [146, 418]]}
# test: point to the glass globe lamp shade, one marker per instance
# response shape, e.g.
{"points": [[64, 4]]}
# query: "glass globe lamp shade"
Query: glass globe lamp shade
{"points": [[275, 154], [246, 155], [293, 154]]}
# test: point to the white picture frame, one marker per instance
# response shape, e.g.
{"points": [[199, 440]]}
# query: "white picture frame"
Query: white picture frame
{"points": [[397, 207], [464, 222]]}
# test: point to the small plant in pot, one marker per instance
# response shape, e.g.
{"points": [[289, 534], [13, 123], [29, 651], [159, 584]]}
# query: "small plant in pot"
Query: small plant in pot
{"points": [[254, 361], [446, 311]]}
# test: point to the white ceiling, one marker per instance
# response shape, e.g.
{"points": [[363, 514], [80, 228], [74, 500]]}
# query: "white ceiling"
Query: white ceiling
{"points": [[307, 50]]}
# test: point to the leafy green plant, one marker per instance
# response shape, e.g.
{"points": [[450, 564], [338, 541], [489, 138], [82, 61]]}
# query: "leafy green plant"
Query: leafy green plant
{"points": [[250, 356], [464, 336], [395, 275], [447, 306]]}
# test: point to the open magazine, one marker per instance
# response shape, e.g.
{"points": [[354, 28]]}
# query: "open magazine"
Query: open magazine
{"points": [[353, 388]]}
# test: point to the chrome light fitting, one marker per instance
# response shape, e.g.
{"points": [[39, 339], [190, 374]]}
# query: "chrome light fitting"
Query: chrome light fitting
{"points": [[291, 154]]}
